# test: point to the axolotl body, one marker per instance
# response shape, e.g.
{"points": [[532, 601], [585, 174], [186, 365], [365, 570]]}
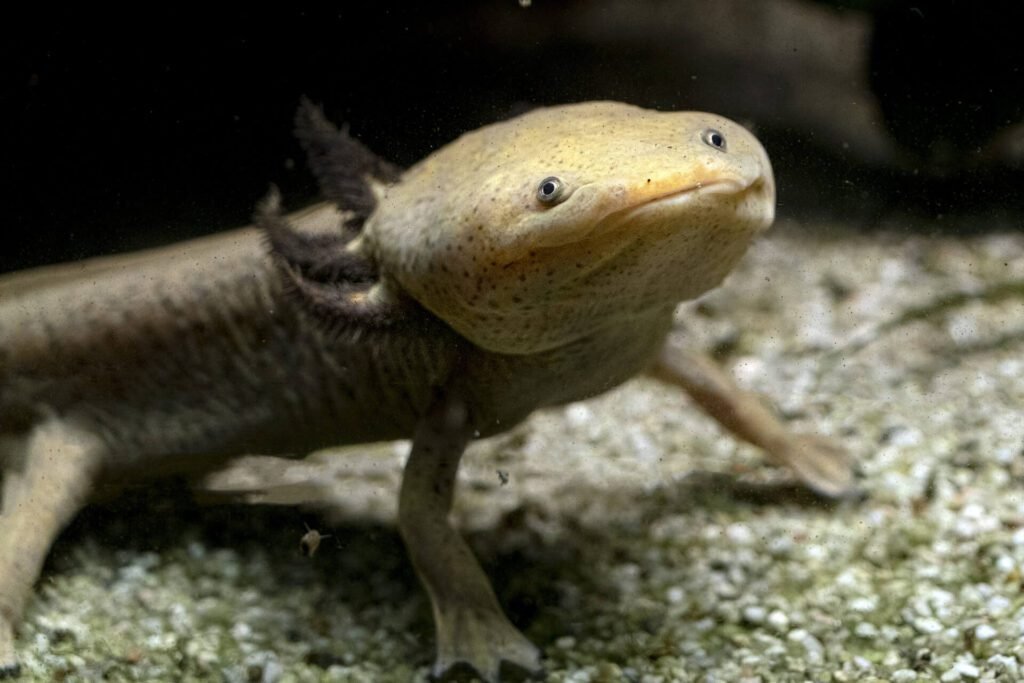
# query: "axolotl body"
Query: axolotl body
{"points": [[530, 263]]}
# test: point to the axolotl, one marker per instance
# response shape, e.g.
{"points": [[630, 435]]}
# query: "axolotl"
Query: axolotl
{"points": [[530, 263]]}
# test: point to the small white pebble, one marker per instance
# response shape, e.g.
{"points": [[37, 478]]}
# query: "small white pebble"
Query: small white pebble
{"points": [[778, 620], [968, 670], [751, 661], [643, 448], [241, 631], [565, 643], [1005, 455], [892, 659], [161, 641], [815, 650], [675, 595], [902, 437], [780, 545], [997, 605], [864, 604], [797, 635], [847, 579], [723, 588], [974, 511], [962, 670], [890, 632], [754, 614], [704, 625], [903, 676], [816, 551], [179, 618], [133, 573], [1005, 664], [41, 642], [739, 534], [865, 630], [1005, 564], [962, 328], [927, 626], [862, 663], [1011, 368], [985, 632]]}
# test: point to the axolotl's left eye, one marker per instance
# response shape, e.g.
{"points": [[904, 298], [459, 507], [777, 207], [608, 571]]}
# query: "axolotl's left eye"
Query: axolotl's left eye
{"points": [[713, 138], [550, 191]]}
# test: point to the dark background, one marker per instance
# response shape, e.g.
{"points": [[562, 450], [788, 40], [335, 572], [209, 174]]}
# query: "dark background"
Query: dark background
{"points": [[133, 128]]}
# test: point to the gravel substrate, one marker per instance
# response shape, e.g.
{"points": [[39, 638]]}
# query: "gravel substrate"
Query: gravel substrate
{"points": [[633, 541]]}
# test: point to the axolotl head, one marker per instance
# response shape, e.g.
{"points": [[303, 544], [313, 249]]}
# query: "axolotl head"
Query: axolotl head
{"points": [[537, 231]]}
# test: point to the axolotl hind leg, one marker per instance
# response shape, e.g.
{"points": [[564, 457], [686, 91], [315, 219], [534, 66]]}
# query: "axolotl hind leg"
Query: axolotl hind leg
{"points": [[471, 627], [823, 465], [47, 477]]}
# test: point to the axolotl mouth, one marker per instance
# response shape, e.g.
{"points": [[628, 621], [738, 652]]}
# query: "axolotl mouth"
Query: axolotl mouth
{"points": [[734, 205], [741, 205]]}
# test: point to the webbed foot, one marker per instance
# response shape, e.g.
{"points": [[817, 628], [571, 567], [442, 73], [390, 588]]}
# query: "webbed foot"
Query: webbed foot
{"points": [[482, 639], [9, 667], [821, 463]]}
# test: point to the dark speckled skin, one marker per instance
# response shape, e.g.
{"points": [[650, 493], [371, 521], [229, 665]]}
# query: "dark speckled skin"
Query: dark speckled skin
{"points": [[204, 352]]}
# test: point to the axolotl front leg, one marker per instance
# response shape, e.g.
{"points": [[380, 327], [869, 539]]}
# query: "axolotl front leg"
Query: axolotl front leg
{"points": [[45, 479], [821, 464], [470, 625]]}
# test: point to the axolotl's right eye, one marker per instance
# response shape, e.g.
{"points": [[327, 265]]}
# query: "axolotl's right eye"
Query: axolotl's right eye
{"points": [[550, 191], [714, 139]]}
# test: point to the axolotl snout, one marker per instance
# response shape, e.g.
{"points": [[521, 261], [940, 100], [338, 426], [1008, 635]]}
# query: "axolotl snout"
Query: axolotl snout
{"points": [[529, 263]]}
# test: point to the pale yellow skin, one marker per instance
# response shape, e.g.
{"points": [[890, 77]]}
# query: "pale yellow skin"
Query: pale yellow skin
{"points": [[651, 214], [186, 357]]}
